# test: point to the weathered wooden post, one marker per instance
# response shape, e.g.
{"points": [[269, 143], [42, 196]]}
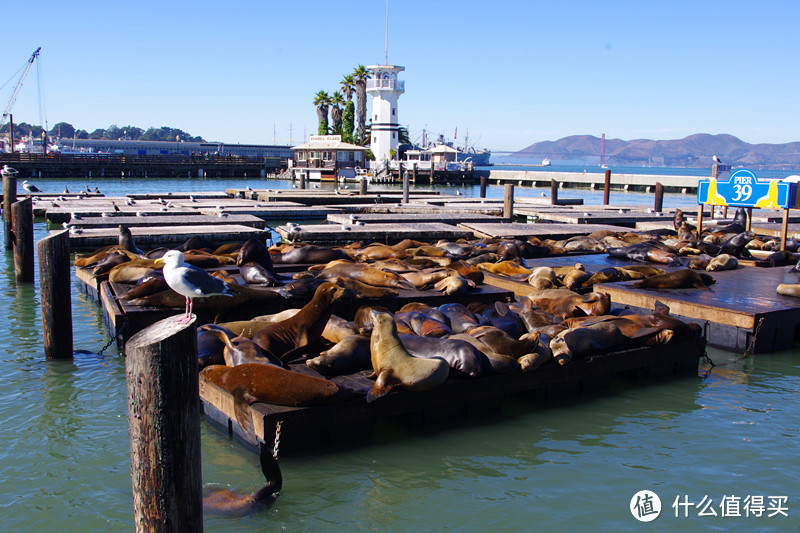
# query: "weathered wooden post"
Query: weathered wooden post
{"points": [[508, 202], [414, 172], [56, 295], [406, 187], [659, 203], [483, 186], [362, 186], [607, 187], [164, 426], [553, 192], [9, 197], [302, 180], [22, 224]]}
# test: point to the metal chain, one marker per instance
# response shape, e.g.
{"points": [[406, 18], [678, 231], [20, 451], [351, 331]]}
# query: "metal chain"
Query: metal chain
{"points": [[753, 340], [113, 338], [277, 442]]}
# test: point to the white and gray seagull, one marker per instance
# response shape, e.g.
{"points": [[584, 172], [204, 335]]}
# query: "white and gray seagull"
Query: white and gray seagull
{"points": [[190, 281], [716, 159], [30, 187]]}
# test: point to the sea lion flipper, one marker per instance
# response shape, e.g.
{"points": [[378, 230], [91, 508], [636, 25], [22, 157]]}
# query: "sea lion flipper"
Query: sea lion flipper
{"points": [[660, 308], [241, 407], [698, 284], [381, 387]]}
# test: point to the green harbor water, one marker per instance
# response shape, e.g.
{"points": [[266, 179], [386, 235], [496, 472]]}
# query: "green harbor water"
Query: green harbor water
{"points": [[718, 443]]}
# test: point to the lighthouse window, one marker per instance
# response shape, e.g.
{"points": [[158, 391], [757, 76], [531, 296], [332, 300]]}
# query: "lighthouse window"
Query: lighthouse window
{"points": [[394, 135], [394, 111]]}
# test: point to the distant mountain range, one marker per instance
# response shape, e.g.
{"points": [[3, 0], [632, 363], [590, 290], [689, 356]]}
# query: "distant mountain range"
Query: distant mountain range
{"points": [[693, 151]]}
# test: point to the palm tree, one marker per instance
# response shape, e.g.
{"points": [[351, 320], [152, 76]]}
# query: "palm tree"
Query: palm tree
{"points": [[336, 112], [361, 75], [349, 116], [322, 100]]}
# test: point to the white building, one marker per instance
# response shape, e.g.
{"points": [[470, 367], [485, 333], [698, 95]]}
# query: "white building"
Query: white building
{"points": [[385, 89]]}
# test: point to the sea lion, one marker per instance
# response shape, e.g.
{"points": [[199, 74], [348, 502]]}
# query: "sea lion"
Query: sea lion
{"points": [[424, 325], [250, 383], [789, 289], [539, 356], [503, 343], [582, 341], [502, 316], [508, 268], [257, 274], [423, 279], [197, 242], [677, 279], [454, 284], [309, 254], [364, 290], [337, 329], [647, 251], [462, 357], [575, 278], [240, 350], [543, 277], [210, 346], [151, 283], [349, 355], [724, 262], [302, 332], [498, 363], [112, 260], [229, 503], [126, 240], [468, 271], [131, 271], [532, 317], [564, 303], [248, 328], [459, 317], [737, 245], [508, 251], [365, 274], [394, 367], [300, 287], [778, 258], [700, 262]]}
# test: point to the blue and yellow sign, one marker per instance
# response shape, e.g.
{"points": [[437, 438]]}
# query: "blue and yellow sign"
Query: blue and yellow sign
{"points": [[744, 189]]}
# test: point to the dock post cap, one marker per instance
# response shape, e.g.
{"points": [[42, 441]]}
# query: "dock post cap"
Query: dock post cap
{"points": [[158, 332]]}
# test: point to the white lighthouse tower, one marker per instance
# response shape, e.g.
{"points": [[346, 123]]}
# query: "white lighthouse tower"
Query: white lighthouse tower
{"points": [[385, 89]]}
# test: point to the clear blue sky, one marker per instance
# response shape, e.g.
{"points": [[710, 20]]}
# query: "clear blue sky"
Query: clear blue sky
{"points": [[509, 73]]}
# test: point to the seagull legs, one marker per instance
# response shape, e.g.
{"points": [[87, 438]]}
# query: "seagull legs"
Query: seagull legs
{"points": [[187, 314]]}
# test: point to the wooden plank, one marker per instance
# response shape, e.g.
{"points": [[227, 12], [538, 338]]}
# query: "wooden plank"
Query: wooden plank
{"points": [[445, 217], [168, 220], [518, 230], [385, 233], [91, 239]]}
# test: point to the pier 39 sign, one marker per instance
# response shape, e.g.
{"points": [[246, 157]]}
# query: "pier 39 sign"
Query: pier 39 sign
{"points": [[744, 189]]}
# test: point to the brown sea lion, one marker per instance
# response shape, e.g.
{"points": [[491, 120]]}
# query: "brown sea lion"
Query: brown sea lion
{"points": [[229, 503], [112, 260], [564, 304], [789, 289], [499, 363], [468, 271], [240, 350], [724, 262], [454, 284], [337, 329], [349, 355], [575, 277], [256, 274], [309, 254], [302, 332], [365, 274], [677, 279], [539, 356], [503, 343], [150, 284], [131, 271], [126, 240], [250, 383], [394, 367], [210, 347], [248, 328], [543, 277], [462, 357], [458, 316], [778, 258], [423, 279], [582, 341], [508, 268], [424, 325], [502, 316], [700, 262]]}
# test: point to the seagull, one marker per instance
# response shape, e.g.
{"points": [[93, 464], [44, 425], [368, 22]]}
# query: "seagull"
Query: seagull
{"points": [[458, 193], [30, 187], [129, 201], [190, 281], [716, 159], [66, 190]]}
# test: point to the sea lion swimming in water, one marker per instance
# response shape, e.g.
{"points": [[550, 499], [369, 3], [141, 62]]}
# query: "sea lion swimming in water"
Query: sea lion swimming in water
{"points": [[231, 503]]}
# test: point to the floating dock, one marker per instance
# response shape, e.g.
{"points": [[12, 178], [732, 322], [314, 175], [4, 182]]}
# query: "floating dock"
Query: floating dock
{"points": [[383, 233]]}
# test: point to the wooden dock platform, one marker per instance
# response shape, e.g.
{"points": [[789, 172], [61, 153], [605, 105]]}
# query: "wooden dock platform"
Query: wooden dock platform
{"points": [[317, 428], [384, 233], [92, 239], [445, 217], [520, 230], [159, 220]]}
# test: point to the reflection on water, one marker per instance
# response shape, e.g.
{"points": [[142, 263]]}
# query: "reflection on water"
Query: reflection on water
{"points": [[571, 464]]}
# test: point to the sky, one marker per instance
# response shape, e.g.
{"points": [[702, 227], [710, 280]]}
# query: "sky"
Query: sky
{"points": [[505, 74]]}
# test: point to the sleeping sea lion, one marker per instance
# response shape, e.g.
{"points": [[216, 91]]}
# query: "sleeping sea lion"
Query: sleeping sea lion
{"points": [[210, 347], [724, 262], [462, 357], [677, 279], [240, 350], [454, 284], [582, 341], [349, 355], [394, 367]]}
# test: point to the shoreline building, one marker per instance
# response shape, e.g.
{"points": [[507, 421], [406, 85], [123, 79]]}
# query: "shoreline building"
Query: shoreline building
{"points": [[327, 158], [385, 89]]}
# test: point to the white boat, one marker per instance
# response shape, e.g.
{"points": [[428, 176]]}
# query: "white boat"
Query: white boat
{"points": [[545, 162]]}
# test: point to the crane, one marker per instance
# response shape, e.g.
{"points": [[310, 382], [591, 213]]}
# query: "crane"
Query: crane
{"points": [[18, 86]]}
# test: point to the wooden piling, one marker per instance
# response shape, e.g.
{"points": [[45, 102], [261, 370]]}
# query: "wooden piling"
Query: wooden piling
{"points": [[9, 197], [406, 187], [483, 186], [659, 201], [22, 224], [553, 192], [164, 426], [607, 187], [56, 295], [508, 202], [302, 180], [362, 186]]}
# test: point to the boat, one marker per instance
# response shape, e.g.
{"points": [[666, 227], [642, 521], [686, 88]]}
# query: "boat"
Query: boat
{"points": [[466, 154], [545, 162]]}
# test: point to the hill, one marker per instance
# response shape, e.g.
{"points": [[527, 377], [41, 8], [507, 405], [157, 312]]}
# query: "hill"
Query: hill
{"points": [[692, 151]]}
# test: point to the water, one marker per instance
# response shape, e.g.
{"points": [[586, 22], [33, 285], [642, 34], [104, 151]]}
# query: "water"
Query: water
{"points": [[570, 465]]}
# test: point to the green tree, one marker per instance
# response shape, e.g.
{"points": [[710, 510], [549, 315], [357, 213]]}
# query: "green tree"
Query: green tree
{"points": [[348, 84], [361, 75], [62, 129], [322, 100], [99, 133], [336, 112]]}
